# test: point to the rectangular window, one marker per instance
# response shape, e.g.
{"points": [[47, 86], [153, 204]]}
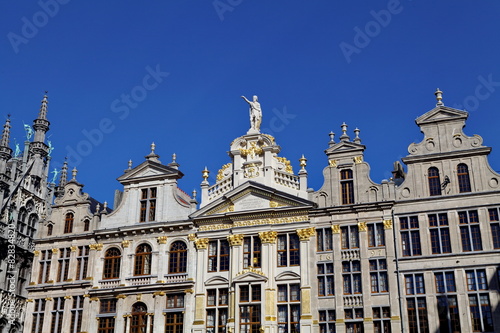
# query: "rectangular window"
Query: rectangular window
{"points": [[382, 319], [325, 279], [351, 274], [445, 282], [38, 314], [324, 239], [288, 250], [440, 233], [481, 314], [469, 231], [250, 308], [218, 255], [45, 260], [410, 236], [417, 314], [495, 227], [476, 280], [63, 267], [148, 205], [414, 284], [252, 248], [378, 276], [376, 235], [288, 308], [57, 315], [82, 262], [349, 237], [327, 321], [354, 320], [107, 322], [449, 317], [76, 314], [347, 187], [175, 301], [217, 310]]}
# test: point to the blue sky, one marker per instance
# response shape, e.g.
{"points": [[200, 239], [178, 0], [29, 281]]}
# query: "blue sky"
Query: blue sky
{"points": [[122, 74]]}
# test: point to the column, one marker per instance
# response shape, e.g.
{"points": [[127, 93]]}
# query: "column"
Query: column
{"points": [[268, 240], [236, 255], [95, 263], [67, 313], [121, 313], [306, 318], [161, 270], [365, 277], [199, 315], [159, 304]]}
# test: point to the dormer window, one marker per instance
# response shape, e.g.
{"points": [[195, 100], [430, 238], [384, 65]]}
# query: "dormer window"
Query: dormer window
{"points": [[347, 187], [148, 204], [434, 181]]}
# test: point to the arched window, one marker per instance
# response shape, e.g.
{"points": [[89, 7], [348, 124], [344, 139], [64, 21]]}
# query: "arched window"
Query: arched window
{"points": [[32, 220], [347, 187], [68, 225], [86, 225], [139, 321], [463, 178], [142, 264], [50, 228], [434, 181], [112, 259], [178, 257], [21, 220]]}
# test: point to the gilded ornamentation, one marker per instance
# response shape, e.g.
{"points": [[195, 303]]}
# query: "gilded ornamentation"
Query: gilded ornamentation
{"points": [[125, 243], [286, 162], [251, 171], [229, 208], [358, 159], [223, 171], [361, 226], [29, 300], [138, 297], [250, 270], [158, 293], [235, 240], [94, 299], [277, 220], [268, 236], [55, 251], [162, 240], [332, 163], [387, 224], [305, 234], [336, 229], [36, 253], [96, 247], [32, 283], [252, 151], [74, 248], [189, 291], [49, 299], [191, 237], [275, 204], [201, 243]]}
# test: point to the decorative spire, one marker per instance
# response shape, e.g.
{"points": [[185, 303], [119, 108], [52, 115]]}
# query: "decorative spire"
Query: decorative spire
{"points": [[174, 163], [204, 174], [194, 194], [332, 137], [41, 126], [129, 164], [439, 97], [344, 136], [74, 173], [152, 155], [63, 179], [303, 162], [6, 133], [43, 108], [357, 139]]}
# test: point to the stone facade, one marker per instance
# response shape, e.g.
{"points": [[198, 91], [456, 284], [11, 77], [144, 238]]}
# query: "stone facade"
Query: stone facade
{"points": [[261, 252]]}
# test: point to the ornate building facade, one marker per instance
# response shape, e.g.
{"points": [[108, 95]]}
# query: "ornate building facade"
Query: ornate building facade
{"points": [[261, 252], [25, 203]]}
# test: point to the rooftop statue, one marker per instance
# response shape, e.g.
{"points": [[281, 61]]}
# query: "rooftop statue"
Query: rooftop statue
{"points": [[255, 113]]}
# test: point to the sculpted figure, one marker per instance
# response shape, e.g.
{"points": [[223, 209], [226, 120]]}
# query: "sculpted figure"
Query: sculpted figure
{"points": [[255, 113], [29, 131]]}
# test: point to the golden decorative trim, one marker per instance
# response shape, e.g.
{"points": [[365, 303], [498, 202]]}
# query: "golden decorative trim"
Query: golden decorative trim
{"points": [[96, 287], [73, 248], [138, 297], [160, 281], [97, 318], [49, 299], [230, 320], [252, 151], [199, 322], [387, 224], [55, 250], [150, 314], [94, 299], [86, 295], [395, 318], [286, 162], [268, 237], [336, 229], [220, 174], [306, 233], [68, 297], [32, 283], [358, 159], [29, 300], [361, 226], [96, 247], [158, 293], [272, 318], [368, 319], [251, 270], [189, 291], [89, 278], [125, 243], [276, 204], [162, 240], [235, 240], [121, 296], [306, 317], [332, 163], [340, 321], [201, 243], [315, 322], [50, 281], [192, 237], [68, 280], [36, 253]]}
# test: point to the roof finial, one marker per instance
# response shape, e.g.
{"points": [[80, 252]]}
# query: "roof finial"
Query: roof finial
{"points": [[130, 164], [174, 158], [357, 139], [153, 147], [63, 179], [439, 97], [6, 133], [303, 162], [43, 108], [344, 136], [205, 173], [74, 172], [152, 155]]}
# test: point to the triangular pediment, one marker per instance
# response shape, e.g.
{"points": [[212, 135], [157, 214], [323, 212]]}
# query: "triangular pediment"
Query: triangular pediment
{"points": [[441, 113], [249, 197], [345, 146], [149, 170], [250, 275]]}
